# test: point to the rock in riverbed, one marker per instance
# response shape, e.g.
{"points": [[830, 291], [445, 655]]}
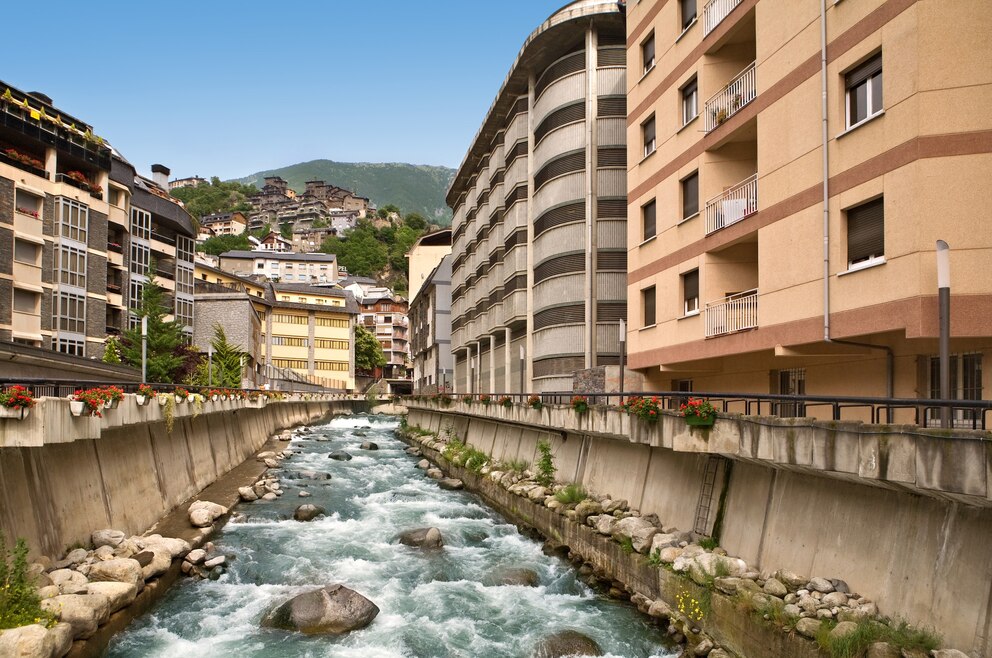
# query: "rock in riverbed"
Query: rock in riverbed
{"points": [[450, 484], [203, 513], [308, 512], [333, 609], [566, 643], [368, 445], [426, 538], [517, 576], [340, 455]]}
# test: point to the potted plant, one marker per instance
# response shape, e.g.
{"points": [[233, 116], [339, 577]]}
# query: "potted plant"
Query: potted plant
{"points": [[535, 402], [580, 404], [698, 412], [506, 401], [485, 399], [182, 395], [15, 402], [113, 396], [145, 392], [90, 401], [467, 399], [647, 409]]}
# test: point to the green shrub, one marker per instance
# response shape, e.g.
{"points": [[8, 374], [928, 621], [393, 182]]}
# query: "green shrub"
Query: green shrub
{"points": [[571, 494], [709, 543], [545, 464], [19, 601], [627, 544], [870, 631], [516, 465]]}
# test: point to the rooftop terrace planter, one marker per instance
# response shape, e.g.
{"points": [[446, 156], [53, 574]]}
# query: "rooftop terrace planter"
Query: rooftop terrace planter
{"points": [[700, 421]]}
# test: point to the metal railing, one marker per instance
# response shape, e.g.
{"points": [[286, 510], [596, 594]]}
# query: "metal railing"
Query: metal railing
{"points": [[731, 314], [967, 414], [731, 99], [715, 11], [61, 388], [732, 205]]}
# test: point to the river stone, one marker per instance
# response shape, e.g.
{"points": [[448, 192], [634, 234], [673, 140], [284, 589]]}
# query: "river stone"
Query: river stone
{"points": [[514, 576], [120, 595], [791, 610], [948, 653], [160, 563], [368, 445], [423, 464], [660, 610], [269, 496], [882, 650], [203, 513], [842, 630], [435, 473], [333, 609], [834, 599], [84, 612], [314, 475], [308, 512], [719, 653], [790, 579], [704, 647], [121, 570], [61, 635], [220, 560], [340, 455], [426, 538], [566, 643], [450, 484], [808, 627], [109, 537], [640, 532], [775, 588], [304, 494], [196, 556], [31, 641], [173, 546], [247, 494], [605, 524], [68, 581], [587, 508], [820, 585]]}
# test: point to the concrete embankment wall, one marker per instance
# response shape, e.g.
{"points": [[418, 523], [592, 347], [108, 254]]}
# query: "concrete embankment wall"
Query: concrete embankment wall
{"points": [[923, 558], [57, 493]]}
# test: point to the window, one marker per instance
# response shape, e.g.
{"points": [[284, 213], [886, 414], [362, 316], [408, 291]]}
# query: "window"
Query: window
{"points": [[864, 91], [287, 318], [648, 133], [340, 366], [259, 265], [70, 313], [649, 219], [647, 53], [690, 293], [790, 382], [141, 224], [328, 344], [866, 234], [688, 12], [290, 341], [966, 384], [184, 312], [26, 252], [648, 304], [284, 298], [332, 322], [26, 301], [302, 300], [297, 364], [690, 195], [73, 219], [72, 266], [140, 257], [690, 101], [69, 346]]}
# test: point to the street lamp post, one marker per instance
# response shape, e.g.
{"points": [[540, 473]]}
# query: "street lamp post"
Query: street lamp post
{"points": [[944, 316], [144, 350], [210, 365], [623, 354], [522, 369]]}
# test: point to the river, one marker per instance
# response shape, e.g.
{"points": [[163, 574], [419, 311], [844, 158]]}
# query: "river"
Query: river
{"points": [[431, 604]]}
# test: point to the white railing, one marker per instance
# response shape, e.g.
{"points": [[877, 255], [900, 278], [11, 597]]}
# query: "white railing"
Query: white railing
{"points": [[732, 205], [715, 11], [734, 313], [731, 99]]}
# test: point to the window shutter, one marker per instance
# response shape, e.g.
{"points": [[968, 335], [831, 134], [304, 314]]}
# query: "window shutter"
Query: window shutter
{"points": [[690, 195], [688, 12], [865, 231], [690, 285], [650, 220], [648, 299], [648, 53], [649, 131], [858, 75]]}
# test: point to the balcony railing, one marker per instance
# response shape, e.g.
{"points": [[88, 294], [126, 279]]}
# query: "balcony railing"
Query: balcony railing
{"points": [[732, 205], [715, 11], [731, 99], [735, 313], [115, 247]]}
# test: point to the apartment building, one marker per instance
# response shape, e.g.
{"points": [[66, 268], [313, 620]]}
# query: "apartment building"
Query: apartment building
{"points": [[285, 328], [783, 218], [192, 181], [539, 212], [430, 331], [384, 314], [79, 230], [285, 266], [225, 223], [424, 256]]}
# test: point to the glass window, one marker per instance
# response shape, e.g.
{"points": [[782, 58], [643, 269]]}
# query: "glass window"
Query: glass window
{"points": [[649, 219], [72, 266], [26, 301], [648, 299], [688, 11], [690, 292], [73, 219], [26, 252], [690, 101], [141, 224], [864, 91], [648, 133], [647, 53], [866, 233], [690, 195], [70, 313]]}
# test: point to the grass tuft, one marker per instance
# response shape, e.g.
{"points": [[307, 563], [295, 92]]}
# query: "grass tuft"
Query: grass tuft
{"points": [[571, 494]]}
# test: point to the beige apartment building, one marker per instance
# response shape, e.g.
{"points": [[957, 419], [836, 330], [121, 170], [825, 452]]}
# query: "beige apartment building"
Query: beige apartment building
{"points": [[539, 212], [748, 271]]}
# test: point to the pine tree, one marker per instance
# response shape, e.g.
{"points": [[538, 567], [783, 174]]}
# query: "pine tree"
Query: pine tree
{"points": [[111, 351], [226, 368], [164, 338]]}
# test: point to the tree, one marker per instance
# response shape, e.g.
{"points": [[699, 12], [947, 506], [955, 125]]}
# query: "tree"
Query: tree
{"points": [[165, 339], [368, 351], [219, 244], [416, 221], [225, 368], [319, 223], [111, 351], [215, 197], [362, 251], [286, 231]]}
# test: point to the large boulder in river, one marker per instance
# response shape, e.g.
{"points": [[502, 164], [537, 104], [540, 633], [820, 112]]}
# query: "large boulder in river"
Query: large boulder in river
{"points": [[368, 445], [340, 455], [451, 484], [203, 513], [516, 576], [566, 643], [427, 538], [308, 512], [333, 609], [123, 570]]}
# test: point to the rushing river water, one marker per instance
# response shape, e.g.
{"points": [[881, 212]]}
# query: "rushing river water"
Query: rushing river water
{"points": [[432, 604]]}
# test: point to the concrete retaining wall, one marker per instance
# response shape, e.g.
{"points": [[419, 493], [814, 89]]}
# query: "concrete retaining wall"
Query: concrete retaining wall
{"points": [[921, 557], [58, 491]]}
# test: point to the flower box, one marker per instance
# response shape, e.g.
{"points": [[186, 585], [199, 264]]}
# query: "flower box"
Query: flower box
{"points": [[700, 421], [20, 413], [142, 400], [76, 407]]}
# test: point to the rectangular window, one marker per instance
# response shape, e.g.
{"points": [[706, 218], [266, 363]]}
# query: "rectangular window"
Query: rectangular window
{"points": [[690, 195], [864, 91], [286, 318], [791, 382], [72, 266], [690, 292], [332, 322], [649, 219], [296, 364], [648, 299], [647, 53], [184, 248], [26, 301], [690, 101], [290, 341], [70, 346], [328, 344], [70, 313], [648, 133], [339, 366], [73, 219], [184, 312], [688, 11], [866, 234], [26, 252], [141, 224]]}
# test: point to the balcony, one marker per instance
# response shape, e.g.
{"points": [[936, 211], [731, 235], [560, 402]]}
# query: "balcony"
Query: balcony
{"points": [[731, 99], [79, 180], [43, 128], [115, 247], [738, 312], [23, 161], [732, 205], [715, 11]]}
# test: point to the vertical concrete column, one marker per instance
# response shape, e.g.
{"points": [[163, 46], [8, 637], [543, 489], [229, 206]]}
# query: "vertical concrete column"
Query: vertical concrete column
{"points": [[592, 160], [529, 328], [508, 377], [51, 162], [492, 363], [311, 331]]}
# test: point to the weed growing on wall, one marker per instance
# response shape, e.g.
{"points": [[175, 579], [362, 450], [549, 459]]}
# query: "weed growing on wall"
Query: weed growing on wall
{"points": [[571, 494], [19, 602], [545, 464]]}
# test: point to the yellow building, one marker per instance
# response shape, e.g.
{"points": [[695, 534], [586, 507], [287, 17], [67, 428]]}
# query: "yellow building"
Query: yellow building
{"points": [[305, 329], [782, 218]]}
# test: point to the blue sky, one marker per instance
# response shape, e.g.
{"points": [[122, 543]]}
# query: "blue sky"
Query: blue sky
{"points": [[227, 88]]}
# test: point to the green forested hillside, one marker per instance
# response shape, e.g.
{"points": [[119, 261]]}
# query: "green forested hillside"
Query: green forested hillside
{"points": [[414, 188]]}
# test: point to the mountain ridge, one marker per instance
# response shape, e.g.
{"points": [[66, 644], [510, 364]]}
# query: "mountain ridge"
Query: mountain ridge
{"points": [[411, 187]]}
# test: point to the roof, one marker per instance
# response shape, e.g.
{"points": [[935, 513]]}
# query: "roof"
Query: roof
{"points": [[350, 305], [347, 281], [220, 217], [440, 238], [277, 255], [307, 288]]}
